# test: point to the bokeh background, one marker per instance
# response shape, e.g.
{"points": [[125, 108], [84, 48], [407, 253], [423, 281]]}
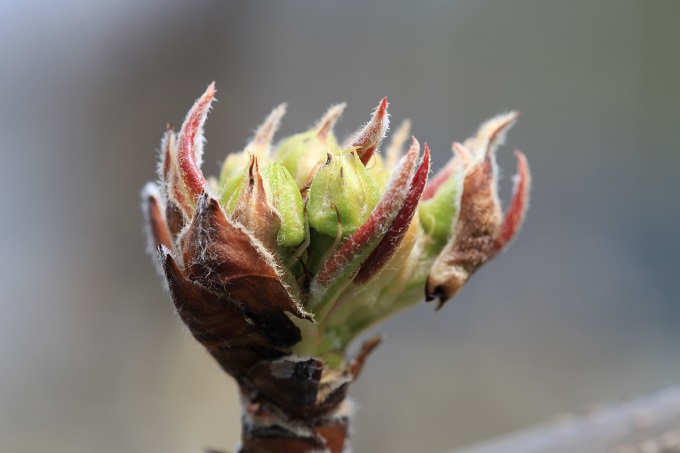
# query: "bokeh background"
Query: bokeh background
{"points": [[583, 308]]}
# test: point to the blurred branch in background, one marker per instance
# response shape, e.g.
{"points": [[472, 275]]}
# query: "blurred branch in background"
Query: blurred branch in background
{"points": [[649, 424]]}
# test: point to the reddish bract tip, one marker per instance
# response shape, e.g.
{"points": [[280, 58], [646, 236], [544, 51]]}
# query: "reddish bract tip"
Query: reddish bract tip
{"points": [[440, 178], [392, 240], [368, 139], [190, 144], [516, 212]]}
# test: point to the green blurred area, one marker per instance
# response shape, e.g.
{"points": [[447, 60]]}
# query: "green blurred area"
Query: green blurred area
{"points": [[583, 308]]}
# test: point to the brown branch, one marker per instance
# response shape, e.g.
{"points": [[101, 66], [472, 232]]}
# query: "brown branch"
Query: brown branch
{"points": [[650, 424]]}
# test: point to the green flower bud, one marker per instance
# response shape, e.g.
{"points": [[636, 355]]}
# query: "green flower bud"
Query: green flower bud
{"points": [[342, 195], [303, 153], [285, 197]]}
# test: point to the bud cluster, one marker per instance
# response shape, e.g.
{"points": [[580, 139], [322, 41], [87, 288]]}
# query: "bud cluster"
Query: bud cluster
{"points": [[300, 247]]}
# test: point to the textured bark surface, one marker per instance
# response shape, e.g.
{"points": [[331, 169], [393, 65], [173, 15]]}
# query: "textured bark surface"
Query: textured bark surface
{"points": [[291, 404], [298, 405]]}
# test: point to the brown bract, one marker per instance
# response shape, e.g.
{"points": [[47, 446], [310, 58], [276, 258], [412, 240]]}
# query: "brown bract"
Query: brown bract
{"points": [[218, 323], [480, 231], [220, 255], [254, 212]]}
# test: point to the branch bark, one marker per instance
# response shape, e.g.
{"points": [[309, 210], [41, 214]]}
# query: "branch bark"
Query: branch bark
{"points": [[649, 424]]}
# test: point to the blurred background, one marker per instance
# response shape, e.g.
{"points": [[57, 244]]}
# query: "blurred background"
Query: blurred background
{"points": [[584, 308]]}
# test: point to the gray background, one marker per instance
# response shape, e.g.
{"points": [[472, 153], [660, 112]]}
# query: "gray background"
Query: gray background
{"points": [[583, 308]]}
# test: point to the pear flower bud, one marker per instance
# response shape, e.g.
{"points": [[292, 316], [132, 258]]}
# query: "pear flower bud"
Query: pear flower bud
{"points": [[284, 196], [303, 153], [298, 248], [342, 195]]}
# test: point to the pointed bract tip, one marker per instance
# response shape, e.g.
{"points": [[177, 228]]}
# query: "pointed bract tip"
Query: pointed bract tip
{"points": [[326, 124], [516, 212], [368, 139], [190, 147], [414, 143], [260, 143], [382, 107], [492, 132]]}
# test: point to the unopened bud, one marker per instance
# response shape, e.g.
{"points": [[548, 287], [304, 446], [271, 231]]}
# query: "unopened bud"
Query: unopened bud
{"points": [[303, 153], [285, 197], [342, 196]]}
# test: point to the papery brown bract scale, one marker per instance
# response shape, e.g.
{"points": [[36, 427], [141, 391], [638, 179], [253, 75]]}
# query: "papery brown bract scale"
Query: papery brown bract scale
{"points": [[473, 237], [254, 212], [159, 231], [175, 219], [217, 323], [480, 232], [222, 257]]}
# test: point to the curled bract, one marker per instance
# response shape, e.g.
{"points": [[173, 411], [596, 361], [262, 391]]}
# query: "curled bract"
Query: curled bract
{"points": [[479, 230]]}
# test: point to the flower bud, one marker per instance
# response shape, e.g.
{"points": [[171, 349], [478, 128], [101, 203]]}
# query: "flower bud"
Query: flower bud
{"points": [[285, 197], [280, 264], [303, 153], [342, 196], [258, 146], [285, 260]]}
